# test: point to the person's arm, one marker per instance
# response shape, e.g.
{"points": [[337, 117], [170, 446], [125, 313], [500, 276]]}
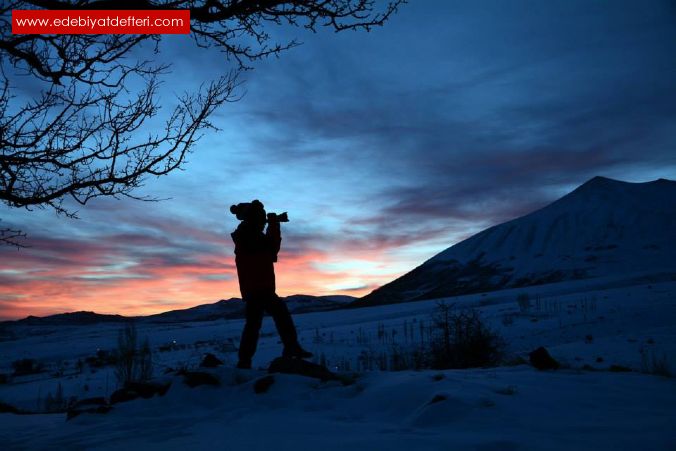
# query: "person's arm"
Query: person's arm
{"points": [[274, 237]]}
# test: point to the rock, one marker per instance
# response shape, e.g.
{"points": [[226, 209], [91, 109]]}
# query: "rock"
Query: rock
{"points": [[263, 384], [301, 367], [541, 359], [438, 398], [90, 405], [123, 395], [149, 389], [135, 390], [210, 361], [88, 402], [7, 408], [195, 378]]}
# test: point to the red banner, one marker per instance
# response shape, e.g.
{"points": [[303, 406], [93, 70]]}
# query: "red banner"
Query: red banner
{"points": [[100, 22]]}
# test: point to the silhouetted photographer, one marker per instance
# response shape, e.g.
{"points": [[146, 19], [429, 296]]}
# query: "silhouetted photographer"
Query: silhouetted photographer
{"points": [[255, 255]]}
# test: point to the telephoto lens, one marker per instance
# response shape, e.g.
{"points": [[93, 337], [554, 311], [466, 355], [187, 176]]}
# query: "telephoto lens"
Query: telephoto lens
{"points": [[274, 217]]}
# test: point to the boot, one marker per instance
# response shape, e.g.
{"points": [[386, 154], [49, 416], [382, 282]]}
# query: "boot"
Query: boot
{"points": [[244, 364], [296, 352]]}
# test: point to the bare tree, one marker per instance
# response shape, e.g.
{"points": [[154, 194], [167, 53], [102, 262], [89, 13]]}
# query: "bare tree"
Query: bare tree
{"points": [[12, 237], [81, 137]]}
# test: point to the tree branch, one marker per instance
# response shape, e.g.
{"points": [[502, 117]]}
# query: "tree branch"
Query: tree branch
{"points": [[80, 137]]}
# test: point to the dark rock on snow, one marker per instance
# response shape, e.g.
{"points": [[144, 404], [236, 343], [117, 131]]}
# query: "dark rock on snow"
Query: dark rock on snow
{"points": [[541, 360], [139, 390], [301, 367], [7, 408], [195, 378], [88, 405], [263, 384], [210, 361]]}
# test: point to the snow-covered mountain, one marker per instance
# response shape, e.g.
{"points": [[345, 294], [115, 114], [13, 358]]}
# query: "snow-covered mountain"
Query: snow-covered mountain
{"points": [[603, 228]]}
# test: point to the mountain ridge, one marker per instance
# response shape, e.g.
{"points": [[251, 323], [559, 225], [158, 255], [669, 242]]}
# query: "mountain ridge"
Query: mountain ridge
{"points": [[602, 227], [225, 308]]}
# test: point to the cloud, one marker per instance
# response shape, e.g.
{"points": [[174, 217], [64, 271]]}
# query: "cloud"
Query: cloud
{"points": [[582, 90], [385, 149], [164, 262]]}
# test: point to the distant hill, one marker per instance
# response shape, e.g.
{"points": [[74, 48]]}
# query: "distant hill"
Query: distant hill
{"points": [[81, 318], [604, 227], [234, 308], [230, 308]]}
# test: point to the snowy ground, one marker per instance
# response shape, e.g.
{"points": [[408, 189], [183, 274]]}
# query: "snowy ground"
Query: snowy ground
{"points": [[502, 408]]}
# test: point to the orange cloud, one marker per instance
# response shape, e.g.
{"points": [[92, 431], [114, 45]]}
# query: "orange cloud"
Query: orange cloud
{"points": [[168, 265]]}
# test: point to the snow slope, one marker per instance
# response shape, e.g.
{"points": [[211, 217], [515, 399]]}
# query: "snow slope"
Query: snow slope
{"points": [[603, 228], [582, 324], [505, 409]]}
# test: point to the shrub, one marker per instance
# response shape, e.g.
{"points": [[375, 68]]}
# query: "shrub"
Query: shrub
{"points": [[460, 339], [132, 363], [145, 361], [26, 366], [401, 359], [524, 302], [57, 402], [655, 364], [507, 391], [455, 339], [126, 354]]}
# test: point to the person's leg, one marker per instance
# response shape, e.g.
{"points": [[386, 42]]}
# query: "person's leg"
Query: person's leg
{"points": [[252, 327], [280, 314], [285, 327]]}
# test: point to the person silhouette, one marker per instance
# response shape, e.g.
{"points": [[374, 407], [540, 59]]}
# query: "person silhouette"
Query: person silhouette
{"points": [[255, 255]]}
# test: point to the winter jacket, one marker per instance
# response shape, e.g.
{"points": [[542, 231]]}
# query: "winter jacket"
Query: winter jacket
{"points": [[255, 254]]}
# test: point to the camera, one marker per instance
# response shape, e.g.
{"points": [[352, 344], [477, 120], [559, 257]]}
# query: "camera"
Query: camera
{"points": [[255, 211], [274, 217]]}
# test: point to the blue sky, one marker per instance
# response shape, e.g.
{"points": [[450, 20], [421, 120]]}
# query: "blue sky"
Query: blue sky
{"points": [[384, 147]]}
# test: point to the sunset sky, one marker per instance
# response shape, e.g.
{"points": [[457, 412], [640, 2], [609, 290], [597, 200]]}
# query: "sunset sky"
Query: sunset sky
{"points": [[385, 148]]}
